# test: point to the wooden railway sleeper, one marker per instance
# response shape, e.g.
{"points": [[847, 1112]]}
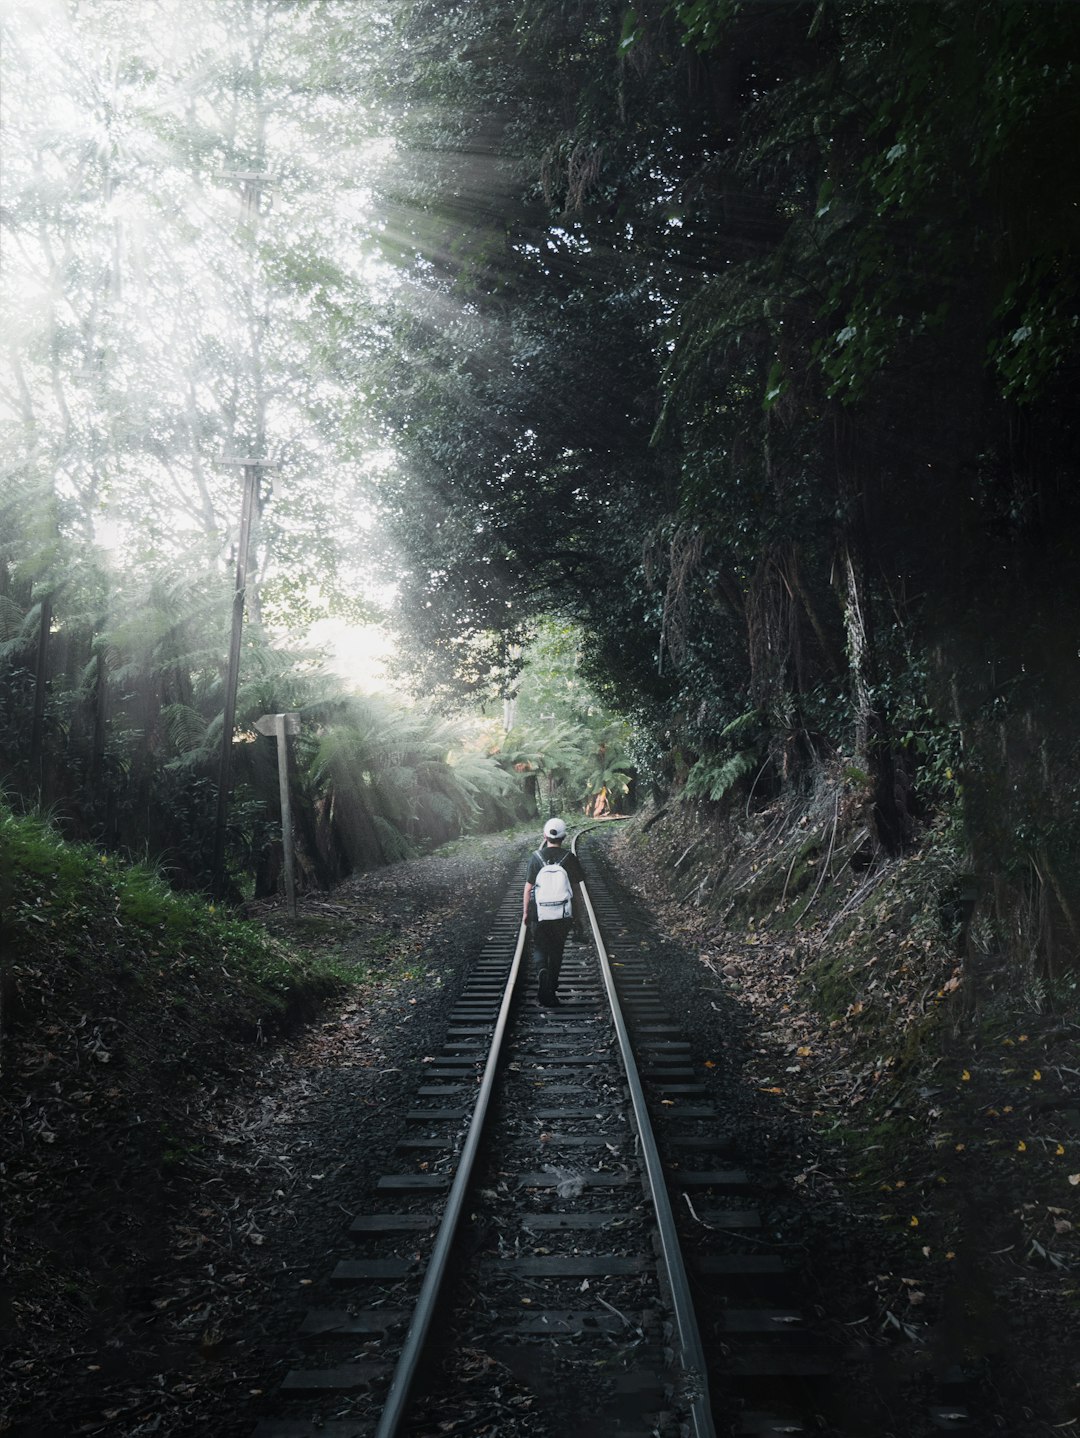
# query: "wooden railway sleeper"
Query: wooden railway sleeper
{"points": [[579, 1148]]}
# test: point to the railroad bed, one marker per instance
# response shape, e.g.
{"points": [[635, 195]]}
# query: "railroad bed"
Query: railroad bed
{"points": [[570, 1245]]}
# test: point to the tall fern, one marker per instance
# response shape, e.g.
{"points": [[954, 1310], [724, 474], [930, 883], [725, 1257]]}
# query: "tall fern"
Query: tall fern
{"points": [[711, 778]]}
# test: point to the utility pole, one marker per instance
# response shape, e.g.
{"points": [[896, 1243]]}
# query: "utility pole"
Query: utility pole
{"points": [[251, 468], [251, 184]]}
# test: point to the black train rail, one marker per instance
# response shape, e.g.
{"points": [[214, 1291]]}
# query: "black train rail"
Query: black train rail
{"points": [[571, 1246]]}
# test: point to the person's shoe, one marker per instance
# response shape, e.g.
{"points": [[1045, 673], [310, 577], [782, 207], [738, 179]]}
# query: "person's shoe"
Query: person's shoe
{"points": [[544, 992]]}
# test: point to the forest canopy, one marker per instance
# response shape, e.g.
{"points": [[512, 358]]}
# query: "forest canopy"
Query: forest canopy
{"points": [[741, 337], [756, 354], [195, 309]]}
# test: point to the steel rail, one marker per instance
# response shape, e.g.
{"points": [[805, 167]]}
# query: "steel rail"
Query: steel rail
{"points": [[408, 1364], [693, 1356], [696, 1390]]}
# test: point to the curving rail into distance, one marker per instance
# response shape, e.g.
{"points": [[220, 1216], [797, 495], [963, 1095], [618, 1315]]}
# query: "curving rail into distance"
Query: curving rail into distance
{"points": [[487, 1310], [689, 1350]]}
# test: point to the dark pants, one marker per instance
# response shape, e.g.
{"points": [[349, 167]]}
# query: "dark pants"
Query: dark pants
{"points": [[549, 940]]}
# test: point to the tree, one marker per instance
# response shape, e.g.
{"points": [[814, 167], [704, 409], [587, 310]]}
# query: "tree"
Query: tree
{"points": [[825, 257], [571, 751], [163, 316]]}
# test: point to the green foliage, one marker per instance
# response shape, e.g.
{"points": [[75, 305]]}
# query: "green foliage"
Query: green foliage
{"points": [[711, 778], [72, 897], [32, 849], [833, 249], [131, 741], [393, 780], [573, 751], [704, 22], [742, 336], [165, 313]]}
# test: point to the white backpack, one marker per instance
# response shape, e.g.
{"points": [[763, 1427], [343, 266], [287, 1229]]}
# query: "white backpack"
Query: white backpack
{"points": [[552, 890]]}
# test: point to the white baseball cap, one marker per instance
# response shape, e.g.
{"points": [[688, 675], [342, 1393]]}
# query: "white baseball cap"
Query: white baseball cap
{"points": [[554, 829]]}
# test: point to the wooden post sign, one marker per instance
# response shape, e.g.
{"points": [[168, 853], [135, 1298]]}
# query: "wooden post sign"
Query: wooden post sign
{"points": [[281, 725]]}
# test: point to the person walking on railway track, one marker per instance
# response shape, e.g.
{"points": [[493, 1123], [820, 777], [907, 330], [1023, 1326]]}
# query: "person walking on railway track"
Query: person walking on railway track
{"points": [[552, 905]]}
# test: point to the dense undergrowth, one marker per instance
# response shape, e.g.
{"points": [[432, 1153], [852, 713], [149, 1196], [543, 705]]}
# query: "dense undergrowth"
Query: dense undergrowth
{"points": [[935, 1077], [72, 917]]}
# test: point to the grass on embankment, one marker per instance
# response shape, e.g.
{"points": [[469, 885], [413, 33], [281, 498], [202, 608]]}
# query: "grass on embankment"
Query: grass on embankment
{"points": [[123, 1004], [78, 925], [131, 1018]]}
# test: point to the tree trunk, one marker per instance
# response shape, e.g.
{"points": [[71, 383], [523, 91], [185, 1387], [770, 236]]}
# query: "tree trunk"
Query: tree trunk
{"points": [[858, 644], [97, 747], [873, 747]]}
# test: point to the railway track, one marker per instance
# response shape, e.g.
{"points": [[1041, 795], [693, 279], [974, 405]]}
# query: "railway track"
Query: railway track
{"points": [[569, 1245]]}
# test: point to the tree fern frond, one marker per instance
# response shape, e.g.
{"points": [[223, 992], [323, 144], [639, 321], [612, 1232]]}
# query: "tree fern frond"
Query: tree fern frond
{"points": [[186, 728], [711, 779]]}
